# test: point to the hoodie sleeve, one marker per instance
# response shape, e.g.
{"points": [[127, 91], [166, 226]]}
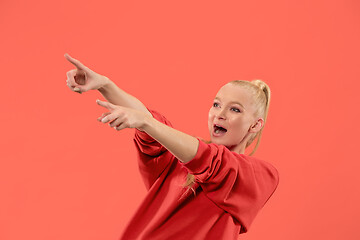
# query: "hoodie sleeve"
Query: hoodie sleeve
{"points": [[237, 183], [152, 156]]}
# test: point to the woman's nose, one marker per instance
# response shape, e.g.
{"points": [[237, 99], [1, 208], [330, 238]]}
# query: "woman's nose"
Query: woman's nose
{"points": [[221, 114]]}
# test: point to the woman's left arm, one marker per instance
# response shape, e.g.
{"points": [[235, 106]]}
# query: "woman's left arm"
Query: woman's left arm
{"points": [[183, 146]]}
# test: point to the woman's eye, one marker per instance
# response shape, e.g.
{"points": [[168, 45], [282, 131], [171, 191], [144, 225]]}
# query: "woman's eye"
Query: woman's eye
{"points": [[215, 104], [235, 109]]}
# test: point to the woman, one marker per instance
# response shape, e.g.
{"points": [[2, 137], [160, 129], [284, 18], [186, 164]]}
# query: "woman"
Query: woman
{"points": [[228, 187]]}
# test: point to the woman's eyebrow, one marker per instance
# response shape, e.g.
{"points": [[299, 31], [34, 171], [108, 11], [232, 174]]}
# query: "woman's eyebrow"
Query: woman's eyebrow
{"points": [[238, 104], [233, 102]]}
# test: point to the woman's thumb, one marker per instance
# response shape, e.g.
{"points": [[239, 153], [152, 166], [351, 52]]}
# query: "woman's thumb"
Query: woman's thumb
{"points": [[77, 89], [81, 89]]}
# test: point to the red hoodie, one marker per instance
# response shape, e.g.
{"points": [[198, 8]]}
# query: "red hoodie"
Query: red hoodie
{"points": [[230, 190]]}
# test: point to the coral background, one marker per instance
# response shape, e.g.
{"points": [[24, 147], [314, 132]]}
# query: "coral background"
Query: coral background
{"points": [[65, 176]]}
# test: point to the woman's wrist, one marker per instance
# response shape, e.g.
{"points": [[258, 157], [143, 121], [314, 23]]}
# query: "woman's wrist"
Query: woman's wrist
{"points": [[147, 122], [106, 85]]}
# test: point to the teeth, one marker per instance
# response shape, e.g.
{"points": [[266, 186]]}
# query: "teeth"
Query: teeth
{"points": [[217, 131]]}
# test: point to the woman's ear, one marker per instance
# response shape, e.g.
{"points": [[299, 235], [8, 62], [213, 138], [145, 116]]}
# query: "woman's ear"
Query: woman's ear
{"points": [[257, 126]]}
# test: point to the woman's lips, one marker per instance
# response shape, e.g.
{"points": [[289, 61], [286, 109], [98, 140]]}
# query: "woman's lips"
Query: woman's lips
{"points": [[219, 130]]}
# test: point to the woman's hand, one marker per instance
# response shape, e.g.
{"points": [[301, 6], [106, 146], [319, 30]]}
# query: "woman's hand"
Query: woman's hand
{"points": [[122, 117], [83, 79]]}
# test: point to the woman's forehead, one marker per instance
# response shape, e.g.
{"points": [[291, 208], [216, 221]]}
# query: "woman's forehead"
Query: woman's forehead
{"points": [[235, 92], [232, 93]]}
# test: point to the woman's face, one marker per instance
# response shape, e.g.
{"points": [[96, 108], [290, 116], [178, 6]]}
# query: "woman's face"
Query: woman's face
{"points": [[231, 117]]}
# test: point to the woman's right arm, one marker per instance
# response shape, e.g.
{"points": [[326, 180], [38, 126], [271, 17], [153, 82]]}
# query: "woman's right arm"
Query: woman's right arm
{"points": [[151, 159], [83, 79], [117, 96]]}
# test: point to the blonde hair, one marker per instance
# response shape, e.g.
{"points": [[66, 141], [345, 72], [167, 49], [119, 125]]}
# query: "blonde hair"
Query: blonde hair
{"points": [[261, 98]]}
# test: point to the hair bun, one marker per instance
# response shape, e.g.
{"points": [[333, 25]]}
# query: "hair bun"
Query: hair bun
{"points": [[260, 84]]}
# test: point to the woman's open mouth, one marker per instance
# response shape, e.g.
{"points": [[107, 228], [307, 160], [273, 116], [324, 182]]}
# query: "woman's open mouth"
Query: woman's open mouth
{"points": [[219, 130]]}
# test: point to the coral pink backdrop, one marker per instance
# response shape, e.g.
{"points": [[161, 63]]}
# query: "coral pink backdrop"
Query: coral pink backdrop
{"points": [[65, 176]]}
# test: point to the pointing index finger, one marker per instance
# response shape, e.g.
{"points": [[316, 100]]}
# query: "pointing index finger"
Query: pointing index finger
{"points": [[105, 104], [75, 62]]}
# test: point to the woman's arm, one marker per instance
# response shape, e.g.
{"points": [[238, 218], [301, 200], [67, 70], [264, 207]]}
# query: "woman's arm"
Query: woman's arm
{"points": [[117, 96], [83, 79], [181, 145], [126, 111]]}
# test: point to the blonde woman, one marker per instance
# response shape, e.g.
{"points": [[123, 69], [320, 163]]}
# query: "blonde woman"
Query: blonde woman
{"points": [[228, 187]]}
